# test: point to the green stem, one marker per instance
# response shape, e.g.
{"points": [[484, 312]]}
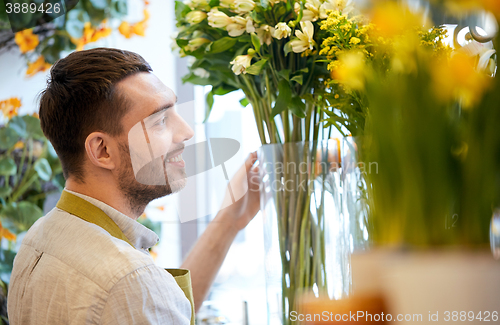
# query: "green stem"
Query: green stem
{"points": [[258, 118]]}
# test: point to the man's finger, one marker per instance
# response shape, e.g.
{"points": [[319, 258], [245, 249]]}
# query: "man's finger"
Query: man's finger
{"points": [[252, 157]]}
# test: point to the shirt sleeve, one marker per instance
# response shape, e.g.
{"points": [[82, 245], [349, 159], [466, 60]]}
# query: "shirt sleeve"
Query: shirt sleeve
{"points": [[149, 295]]}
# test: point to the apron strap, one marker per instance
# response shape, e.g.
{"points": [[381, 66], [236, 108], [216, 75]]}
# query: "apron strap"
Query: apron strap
{"points": [[85, 210]]}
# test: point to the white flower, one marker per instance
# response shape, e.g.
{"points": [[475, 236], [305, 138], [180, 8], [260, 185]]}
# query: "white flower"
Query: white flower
{"points": [[202, 73], [195, 44], [311, 13], [296, 7], [250, 27], [265, 34], [281, 30], [243, 6], [240, 63], [195, 17], [273, 2], [227, 4], [305, 36], [218, 19], [237, 27], [344, 6]]}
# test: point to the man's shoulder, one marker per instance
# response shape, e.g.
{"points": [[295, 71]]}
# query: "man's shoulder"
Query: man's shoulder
{"points": [[85, 247]]}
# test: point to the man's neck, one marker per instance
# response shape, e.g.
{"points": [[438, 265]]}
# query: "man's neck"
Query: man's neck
{"points": [[104, 192]]}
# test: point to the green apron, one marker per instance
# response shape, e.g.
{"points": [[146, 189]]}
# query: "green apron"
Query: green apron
{"points": [[85, 210]]}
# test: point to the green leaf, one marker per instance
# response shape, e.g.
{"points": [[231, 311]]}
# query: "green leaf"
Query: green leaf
{"points": [[285, 73], [5, 191], [181, 10], [298, 107], [210, 104], [17, 124], [7, 166], [221, 90], [195, 80], [22, 215], [284, 95], [255, 42], [222, 45], [298, 79], [8, 138], [42, 167], [244, 102], [255, 68], [33, 127], [288, 47], [305, 70]]}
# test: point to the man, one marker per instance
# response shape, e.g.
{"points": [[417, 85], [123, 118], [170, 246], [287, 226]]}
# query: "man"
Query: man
{"points": [[87, 261]]}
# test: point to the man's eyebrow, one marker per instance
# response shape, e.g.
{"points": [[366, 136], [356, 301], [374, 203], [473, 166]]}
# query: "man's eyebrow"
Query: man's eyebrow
{"points": [[162, 108]]}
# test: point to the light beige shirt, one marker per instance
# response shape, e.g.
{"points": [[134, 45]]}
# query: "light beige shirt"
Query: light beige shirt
{"points": [[69, 271]]}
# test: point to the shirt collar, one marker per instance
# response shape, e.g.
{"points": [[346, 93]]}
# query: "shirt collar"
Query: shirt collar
{"points": [[140, 236]]}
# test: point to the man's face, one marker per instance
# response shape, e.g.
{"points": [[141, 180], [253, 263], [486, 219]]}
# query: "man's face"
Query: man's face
{"points": [[151, 164]]}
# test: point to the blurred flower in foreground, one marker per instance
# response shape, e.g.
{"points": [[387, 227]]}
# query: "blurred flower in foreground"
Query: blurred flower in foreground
{"points": [[350, 70], [9, 107], [5, 233], [38, 66], [392, 20], [459, 79], [26, 40]]}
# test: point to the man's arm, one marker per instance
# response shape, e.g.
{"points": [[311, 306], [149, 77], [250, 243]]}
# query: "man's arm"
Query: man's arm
{"points": [[207, 255]]}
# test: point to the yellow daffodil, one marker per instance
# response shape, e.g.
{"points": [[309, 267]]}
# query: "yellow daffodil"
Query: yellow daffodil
{"points": [[459, 79], [281, 30], [125, 29], [26, 40], [237, 26], [38, 66], [392, 19], [240, 63], [243, 6], [265, 34], [195, 17], [350, 70], [10, 107], [218, 19], [305, 38]]}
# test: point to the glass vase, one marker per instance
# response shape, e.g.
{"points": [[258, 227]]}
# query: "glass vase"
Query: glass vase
{"points": [[304, 229]]}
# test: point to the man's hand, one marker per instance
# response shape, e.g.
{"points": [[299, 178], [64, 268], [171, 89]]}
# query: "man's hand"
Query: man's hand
{"points": [[246, 181], [209, 252]]}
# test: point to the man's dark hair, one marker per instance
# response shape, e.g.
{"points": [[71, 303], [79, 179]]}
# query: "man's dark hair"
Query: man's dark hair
{"points": [[81, 98]]}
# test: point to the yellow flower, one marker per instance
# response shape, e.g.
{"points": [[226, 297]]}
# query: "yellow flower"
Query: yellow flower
{"points": [[354, 40], [19, 145], [350, 70], [38, 66], [91, 34], [9, 107], [127, 30], [240, 63], [392, 20], [5, 233], [459, 79], [26, 40], [305, 36]]}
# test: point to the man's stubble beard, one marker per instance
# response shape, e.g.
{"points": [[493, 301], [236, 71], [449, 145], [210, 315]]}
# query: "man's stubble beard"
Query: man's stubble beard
{"points": [[139, 195]]}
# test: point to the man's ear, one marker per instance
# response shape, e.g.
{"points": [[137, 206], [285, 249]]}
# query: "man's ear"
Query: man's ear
{"points": [[101, 150]]}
